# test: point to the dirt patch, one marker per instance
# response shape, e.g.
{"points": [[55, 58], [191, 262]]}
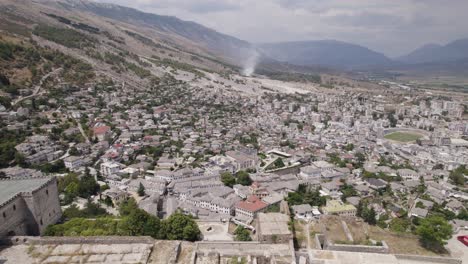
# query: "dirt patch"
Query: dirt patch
{"points": [[399, 243]]}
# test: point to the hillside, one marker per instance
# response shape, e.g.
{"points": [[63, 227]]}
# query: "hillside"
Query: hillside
{"points": [[433, 53], [329, 53]]}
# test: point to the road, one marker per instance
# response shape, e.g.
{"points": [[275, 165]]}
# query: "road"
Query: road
{"points": [[37, 88], [456, 248]]}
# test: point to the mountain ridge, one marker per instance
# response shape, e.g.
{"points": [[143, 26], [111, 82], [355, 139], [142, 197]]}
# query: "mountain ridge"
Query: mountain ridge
{"points": [[332, 53]]}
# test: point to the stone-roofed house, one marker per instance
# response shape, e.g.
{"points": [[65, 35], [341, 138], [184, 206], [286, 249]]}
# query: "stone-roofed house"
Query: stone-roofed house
{"points": [[303, 211], [28, 206], [243, 159]]}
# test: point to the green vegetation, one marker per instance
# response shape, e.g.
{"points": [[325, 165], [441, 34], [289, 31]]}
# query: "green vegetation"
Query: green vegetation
{"points": [[241, 177], [141, 190], [458, 175], [8, 141], [76, 25], [403, 136], [367, 214], [72, 186], [304, 195], [399, 225], [434, 231], [177, 65], [91, 210], [242, 234], [64, 36], [134, 222]]}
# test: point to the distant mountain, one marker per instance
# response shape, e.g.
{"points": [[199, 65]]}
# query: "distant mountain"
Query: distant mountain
{"points": [[329, 53], [433, 53]]}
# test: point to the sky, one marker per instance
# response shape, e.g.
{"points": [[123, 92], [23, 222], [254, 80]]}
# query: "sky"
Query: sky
{"points": [[392, 27]]}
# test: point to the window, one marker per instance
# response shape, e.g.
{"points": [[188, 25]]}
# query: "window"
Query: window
{"points": [[41, 222], [14, 207], [4, 215], [47, 192]]}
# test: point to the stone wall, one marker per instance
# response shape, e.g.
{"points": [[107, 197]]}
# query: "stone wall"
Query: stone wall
{"points": [[428, 259], [357, 248], [29, 213], [76, 240], [13, 218]]}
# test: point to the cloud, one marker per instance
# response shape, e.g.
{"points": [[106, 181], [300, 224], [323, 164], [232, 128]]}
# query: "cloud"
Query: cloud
{"points": [[393, 27]]}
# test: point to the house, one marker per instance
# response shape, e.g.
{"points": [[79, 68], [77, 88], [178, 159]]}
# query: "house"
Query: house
{"points": [[256, 189], [408, 174], [116, 195], [455, 206], [337, 207], [376, 184], [102, 132], [303, 211], [250, 207], [109, 168], [243, 159], [73, 162], [310, 172], [418, 212]]}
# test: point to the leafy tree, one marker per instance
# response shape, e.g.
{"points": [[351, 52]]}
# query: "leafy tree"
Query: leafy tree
{"points": [[141, 190], [87, 186], [279, 163], [457, 175], [139, 223], [349, 147], [181, 227], [243, 178], [228, 179], [434, 231], [73, 151], [399, 225], [127, 207], [242, 234]]}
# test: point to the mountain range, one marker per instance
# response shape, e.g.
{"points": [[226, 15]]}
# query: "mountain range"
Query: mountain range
{"points": [[123, 26]]}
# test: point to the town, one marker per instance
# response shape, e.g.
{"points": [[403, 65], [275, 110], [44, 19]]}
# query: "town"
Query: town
{"points": [[383, 159]]}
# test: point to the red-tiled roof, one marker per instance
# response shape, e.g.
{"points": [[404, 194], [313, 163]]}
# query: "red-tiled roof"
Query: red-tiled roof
{"points": [[252, 204], [101, 130]]}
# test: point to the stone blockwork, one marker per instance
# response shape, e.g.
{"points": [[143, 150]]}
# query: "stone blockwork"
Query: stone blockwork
{"points": [[28, 206]]}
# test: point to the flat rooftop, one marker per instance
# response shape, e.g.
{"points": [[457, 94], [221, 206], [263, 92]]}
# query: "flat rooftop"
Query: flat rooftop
{"points": [[10, 188], [273, 224]]}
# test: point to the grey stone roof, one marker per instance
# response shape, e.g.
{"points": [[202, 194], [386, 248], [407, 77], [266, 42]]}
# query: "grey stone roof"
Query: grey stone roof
{"points": [[11, 188]]}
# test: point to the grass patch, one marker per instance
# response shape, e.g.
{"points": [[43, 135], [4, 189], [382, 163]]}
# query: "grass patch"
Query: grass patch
{"points": [[403, 136]]}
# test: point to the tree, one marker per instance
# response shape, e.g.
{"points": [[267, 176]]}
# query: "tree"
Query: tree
{"points": [[457, 175], [434, 231], [73, 151], [242, 234], [140, 223], [87, 186], [141, 190], [243, 178], [181, 227], [228, 179], [399, 225], [370, 217], [127, 207]]}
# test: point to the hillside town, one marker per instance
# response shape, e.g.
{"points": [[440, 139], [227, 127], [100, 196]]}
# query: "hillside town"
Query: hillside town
{"points": [[387, 158]]}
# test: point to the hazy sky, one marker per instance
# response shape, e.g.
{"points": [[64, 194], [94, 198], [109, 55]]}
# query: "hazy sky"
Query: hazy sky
{"points": [[393, 27]]}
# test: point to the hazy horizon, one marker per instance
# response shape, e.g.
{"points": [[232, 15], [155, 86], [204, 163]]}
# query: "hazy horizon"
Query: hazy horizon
{"points": [[394, 28]]}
